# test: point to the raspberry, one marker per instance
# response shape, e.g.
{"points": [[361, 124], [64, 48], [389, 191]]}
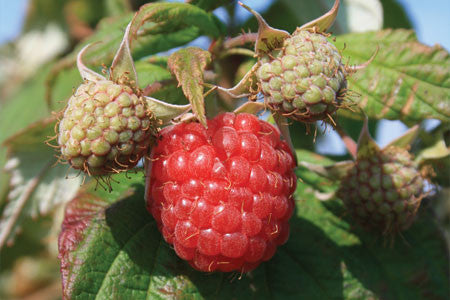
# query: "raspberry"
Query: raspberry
{"points": [[222, 196]]}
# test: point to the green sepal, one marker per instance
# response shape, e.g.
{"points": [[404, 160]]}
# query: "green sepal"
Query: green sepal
{"points": [[406, 139], [250, 107], [165, 112], [122, 68], [335, 172], [268, 38], [367, 147], [324, 22], [435, 146], [243, 88]]}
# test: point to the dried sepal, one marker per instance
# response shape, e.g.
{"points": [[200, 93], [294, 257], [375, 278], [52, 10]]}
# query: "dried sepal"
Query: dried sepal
{"points": [[122, 67], [85, 72]]}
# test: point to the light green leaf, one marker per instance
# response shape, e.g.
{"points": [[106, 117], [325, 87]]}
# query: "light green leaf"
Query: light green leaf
{"points": [[188, 65], [38, 184], [407, 80]]}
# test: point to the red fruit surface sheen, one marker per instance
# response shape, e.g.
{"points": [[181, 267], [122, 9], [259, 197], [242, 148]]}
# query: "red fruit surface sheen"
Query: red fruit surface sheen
{"points": [[222, 196]]}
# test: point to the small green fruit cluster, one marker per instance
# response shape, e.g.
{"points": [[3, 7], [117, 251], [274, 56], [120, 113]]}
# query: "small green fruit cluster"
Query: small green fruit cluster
{"points": [[305, 79], [383, 192], [106, 128]]}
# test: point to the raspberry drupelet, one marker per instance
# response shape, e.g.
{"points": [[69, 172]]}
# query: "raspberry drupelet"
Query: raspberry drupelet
{"points": [[222, 196]]}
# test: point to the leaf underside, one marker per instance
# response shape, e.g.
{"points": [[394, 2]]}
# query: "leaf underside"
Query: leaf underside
{"points": [[188, 65]]}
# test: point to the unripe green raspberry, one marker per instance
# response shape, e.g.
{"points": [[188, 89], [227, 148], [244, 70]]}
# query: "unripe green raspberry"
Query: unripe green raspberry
{"points": [[106, 128], [383, 192], [305, 80]]}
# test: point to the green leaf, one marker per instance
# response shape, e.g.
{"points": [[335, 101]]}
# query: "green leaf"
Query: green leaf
{"points": [[395, 15], [37, 183], [169, 16], [156, 78], [162, 26], [188, 65], [149, 73], [119, 253], [209, 5], [407, 80]]}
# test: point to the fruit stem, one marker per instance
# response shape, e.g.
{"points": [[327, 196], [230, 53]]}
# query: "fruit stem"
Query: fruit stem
{"points": [[350, 144]]}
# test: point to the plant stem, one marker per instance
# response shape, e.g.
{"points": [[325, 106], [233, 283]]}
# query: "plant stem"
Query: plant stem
{"points": [[350, 144], [240, 40]]}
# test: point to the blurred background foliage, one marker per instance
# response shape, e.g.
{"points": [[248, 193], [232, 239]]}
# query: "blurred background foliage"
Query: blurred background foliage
{"points": [[37, 75]]}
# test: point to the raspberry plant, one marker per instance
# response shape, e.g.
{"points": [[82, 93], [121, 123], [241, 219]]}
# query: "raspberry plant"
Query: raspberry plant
{"points": [[180, 168]]}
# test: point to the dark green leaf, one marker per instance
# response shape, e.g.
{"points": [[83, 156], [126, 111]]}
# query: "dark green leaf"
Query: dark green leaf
{"points": [[119, 253], [160, 81], [407, 80], [394, 15], [188, 65], [162, 26], [209, 5]]}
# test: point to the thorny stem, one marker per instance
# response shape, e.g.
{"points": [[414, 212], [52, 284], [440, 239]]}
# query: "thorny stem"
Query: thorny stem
{"points": [[240, 40], [350, 144]]}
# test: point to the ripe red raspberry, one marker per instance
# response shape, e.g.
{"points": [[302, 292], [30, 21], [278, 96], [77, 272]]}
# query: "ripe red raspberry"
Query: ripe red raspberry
{"points": [[222, 196]]}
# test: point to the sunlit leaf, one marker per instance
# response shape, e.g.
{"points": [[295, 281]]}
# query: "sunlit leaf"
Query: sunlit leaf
{"points": [[407, 80]]}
